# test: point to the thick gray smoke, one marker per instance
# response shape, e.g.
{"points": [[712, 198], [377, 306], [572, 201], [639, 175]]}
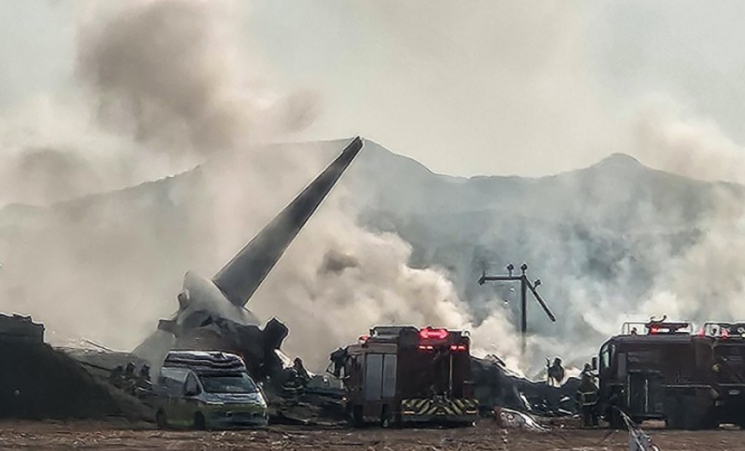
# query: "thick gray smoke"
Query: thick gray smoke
{"points": [[165, 86]]}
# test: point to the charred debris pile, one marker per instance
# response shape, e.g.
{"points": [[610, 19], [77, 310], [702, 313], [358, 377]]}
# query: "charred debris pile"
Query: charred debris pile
{"points": [[41, 382], [495, 385], [38, 382]]}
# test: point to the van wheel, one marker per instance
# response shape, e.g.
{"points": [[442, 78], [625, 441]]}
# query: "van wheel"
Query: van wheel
{"points": [[160, 419], [199, 423]]}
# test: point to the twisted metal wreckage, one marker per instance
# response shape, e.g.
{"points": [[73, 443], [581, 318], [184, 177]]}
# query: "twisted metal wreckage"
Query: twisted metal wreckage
{"points": [[212, 313]]}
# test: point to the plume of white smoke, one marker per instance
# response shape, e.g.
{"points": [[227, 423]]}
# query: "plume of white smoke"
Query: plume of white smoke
{"points": [[707, 282], [333, 288], [703, 282]]}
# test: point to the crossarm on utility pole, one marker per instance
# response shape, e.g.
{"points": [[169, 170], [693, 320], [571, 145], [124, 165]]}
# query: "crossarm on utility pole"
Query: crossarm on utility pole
{"points": [[541, 301], [484, 278]]}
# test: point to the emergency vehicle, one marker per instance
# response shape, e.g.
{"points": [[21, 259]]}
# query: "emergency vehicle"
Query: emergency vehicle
{"points": [[207, 390], [399, 375], [727, 363], [665, 371]]}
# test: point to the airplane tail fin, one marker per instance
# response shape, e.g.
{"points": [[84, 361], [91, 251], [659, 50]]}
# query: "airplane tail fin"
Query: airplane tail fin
{"points": [[242, 276]]}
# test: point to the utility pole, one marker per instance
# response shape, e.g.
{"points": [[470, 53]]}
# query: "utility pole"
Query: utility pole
{"points": [[525, 285]]}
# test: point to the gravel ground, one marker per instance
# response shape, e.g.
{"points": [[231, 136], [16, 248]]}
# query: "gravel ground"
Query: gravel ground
{"points": [[485, 436]]}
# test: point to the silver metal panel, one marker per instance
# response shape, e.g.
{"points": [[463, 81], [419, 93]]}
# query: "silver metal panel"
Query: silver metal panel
{"points": [[389, 375], [373, 377]]}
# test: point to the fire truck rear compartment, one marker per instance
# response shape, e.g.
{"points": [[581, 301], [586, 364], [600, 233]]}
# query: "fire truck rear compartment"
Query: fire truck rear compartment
{"points": [[411, 378]]}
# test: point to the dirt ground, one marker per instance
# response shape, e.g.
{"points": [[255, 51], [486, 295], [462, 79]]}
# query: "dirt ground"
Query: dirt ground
{"points": [[485, 436]]}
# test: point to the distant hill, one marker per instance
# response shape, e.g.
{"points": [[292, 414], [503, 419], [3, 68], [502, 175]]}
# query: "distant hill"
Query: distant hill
{"points": [[586, 233]]}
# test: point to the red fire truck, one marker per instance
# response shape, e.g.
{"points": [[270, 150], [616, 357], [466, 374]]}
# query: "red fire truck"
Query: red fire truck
{"points": [[399, 375], [662, 370]]}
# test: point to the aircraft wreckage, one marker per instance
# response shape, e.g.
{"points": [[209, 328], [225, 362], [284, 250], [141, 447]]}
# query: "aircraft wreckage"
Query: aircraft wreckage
{"points": [[212, 313]]}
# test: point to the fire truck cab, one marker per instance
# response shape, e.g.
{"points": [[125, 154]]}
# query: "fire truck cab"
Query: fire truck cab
{"points": [[647, 371], [662, 370], [727, 369], [399, 375]]}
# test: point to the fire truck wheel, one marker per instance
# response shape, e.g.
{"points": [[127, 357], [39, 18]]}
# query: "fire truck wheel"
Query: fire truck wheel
{"points": [[354, 415], [675, 412], [388, 420], [684, 414]]}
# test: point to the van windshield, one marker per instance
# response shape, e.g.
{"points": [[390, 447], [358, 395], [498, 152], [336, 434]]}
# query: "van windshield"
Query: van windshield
{"points": [[238, 383]]}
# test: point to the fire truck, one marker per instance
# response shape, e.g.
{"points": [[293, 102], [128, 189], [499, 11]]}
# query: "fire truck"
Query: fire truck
{"points": [[662, 370], [727, 374], [399, 375]]}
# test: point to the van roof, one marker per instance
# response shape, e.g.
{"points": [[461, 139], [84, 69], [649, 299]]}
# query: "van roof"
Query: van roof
{"points": [[204, 361]]}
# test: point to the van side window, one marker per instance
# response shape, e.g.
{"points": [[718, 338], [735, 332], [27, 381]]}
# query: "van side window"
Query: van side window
{"points": [[191, 385]]}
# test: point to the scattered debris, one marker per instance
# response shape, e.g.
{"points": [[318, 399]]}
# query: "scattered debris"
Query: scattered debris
{"points": [[512, 419], [638, 439], [495, 385]]}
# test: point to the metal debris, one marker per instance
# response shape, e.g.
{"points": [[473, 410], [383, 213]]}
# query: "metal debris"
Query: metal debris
{"points": [[638, 439], [512, 419]]}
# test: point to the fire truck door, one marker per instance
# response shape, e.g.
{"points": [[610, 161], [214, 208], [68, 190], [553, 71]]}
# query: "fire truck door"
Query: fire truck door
{"points": [[389, 375], [380, 376], [373, 377], [646, 393]]}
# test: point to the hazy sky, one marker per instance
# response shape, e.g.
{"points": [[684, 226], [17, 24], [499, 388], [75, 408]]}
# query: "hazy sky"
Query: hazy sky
{"points": [[480, 87]]}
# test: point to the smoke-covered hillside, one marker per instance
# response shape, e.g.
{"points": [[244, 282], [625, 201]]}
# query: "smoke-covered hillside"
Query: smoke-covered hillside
{"points": [[600, 238], [605, 240]]}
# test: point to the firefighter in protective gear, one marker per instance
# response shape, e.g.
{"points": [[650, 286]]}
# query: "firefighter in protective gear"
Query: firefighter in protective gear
{"points": [[587, 396], [555, 372]]}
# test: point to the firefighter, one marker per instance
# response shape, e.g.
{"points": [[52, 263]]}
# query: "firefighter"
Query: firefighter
{"points": [[145, 373], [130, 380], [292, 384], [302, 374], [587, 395], [143, 379], [116, 377], [555, 372]]}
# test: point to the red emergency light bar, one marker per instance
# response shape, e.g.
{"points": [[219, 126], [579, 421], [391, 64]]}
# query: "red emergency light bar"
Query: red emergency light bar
{"points": [[437, 334]]}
